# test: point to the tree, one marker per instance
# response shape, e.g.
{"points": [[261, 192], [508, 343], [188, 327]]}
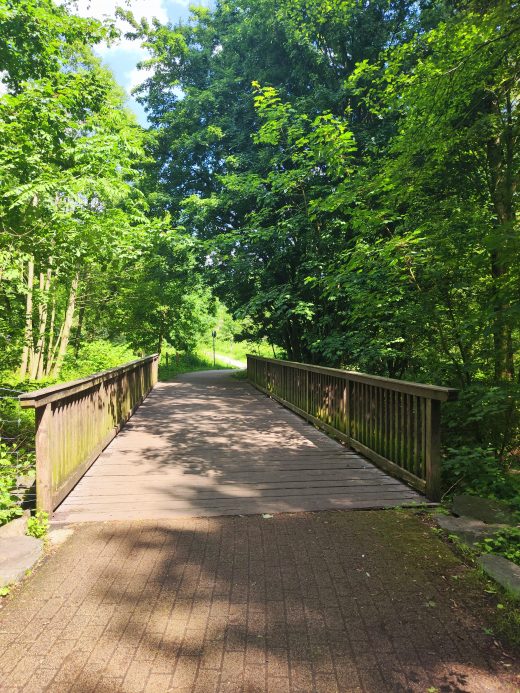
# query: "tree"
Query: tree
{"points": [[70, 196]]}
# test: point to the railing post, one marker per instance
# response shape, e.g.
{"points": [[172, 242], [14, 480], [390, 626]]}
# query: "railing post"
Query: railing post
{"points": [[433, 449], [395, 423], [155, 370], [347, 403], [44, 500]]}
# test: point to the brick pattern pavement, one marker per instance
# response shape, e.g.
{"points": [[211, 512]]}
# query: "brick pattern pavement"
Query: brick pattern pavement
{"points": [[325, 602]]}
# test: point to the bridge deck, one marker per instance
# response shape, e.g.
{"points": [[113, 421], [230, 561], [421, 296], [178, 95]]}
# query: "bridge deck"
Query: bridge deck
{"points": [[209, 444]]}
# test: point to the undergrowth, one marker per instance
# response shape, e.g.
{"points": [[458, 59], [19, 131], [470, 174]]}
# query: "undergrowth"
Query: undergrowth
{"points": [[17, 458], [178, 363]]}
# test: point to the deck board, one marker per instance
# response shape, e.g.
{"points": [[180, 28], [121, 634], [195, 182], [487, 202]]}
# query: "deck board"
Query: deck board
{"points": [[208, 444]]}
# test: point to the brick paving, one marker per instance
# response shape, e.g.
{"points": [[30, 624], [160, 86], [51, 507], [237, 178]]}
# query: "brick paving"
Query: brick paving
{"points": [[366, 601]]}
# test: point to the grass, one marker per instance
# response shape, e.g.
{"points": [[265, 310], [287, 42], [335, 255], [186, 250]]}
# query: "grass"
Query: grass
{"points": [[501, 607], [239, 350], [186, 363]]}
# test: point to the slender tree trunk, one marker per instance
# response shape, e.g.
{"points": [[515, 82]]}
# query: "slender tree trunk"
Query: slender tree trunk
{"points": [[37, 365], [28, 332], [43, 313], [50, 341], [500, 152], [53, 352], [67, 325], [77, 336]]}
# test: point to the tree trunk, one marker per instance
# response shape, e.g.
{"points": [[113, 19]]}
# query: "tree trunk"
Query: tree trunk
{"points": [[50, 341], [77, 336], [28, 332], [43, 311], [67, 325], [500, 150], [51, 359]]}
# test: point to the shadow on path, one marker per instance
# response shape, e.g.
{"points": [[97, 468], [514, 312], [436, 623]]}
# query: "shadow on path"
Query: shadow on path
{"points": [[207, 444], [326, 602]]}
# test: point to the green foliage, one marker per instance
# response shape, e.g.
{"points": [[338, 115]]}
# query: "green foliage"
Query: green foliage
{"points": [[478, 470], [93, 357], [505, 543], [14, 463], [38, 525], [351, 169], [81, 258], [487, 415], [235, 338], [184, 363]]}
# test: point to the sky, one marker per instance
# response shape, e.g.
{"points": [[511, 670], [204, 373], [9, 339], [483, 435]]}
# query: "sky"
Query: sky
{"points": [[123, 57]]}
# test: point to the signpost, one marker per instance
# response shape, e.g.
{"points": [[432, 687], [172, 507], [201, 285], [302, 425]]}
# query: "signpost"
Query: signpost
{"points": [[214, 334]]}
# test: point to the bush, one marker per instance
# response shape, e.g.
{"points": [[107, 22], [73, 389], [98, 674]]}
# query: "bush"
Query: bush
{"points": [[486, 416], [506, 543], [14, 463], [96, 356], [471, 469], [38, 525]]}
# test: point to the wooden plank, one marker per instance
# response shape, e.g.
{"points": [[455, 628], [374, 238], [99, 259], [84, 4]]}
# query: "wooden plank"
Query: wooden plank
{"points": [[116, 500], [38, 398], [243, 505], [390, 467], [170, 463], [44, 417], [147, 486], [433, 450], [239, 478], [437, 392], [164, 511]]}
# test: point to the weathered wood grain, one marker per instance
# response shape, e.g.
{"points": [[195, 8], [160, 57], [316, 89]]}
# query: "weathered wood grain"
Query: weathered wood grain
{"points": [[75, 421], [394, 423], [208, 444]]}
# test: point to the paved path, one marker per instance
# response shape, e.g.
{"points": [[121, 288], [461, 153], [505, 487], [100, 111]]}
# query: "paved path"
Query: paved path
{"points": [[332, 602], [209, 444], [235, 363]]}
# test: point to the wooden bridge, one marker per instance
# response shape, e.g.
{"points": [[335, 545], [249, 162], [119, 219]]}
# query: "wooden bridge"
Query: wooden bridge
{"points": [[210, 444]]}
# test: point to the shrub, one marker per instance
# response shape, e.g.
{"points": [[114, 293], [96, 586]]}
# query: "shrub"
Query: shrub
{"points": [[38, 524], [478, 470], [13, 464], [96, 356], [506, 543]]}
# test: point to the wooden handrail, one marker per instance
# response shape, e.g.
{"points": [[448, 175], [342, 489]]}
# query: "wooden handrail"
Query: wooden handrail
{"points": [[38, 398], [75, 421], [395, 423], [432, 391]]}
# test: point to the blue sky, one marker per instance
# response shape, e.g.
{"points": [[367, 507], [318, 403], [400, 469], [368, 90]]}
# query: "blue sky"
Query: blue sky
{"points": [[123, 57]]}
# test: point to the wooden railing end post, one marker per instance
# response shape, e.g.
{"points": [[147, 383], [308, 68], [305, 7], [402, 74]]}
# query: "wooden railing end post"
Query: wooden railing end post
{"points": [[44, 491], [433, 449]]}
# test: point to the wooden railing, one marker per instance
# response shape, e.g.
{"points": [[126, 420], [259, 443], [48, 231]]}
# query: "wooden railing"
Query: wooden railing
{"points": [[394, 423], [75, 421]]}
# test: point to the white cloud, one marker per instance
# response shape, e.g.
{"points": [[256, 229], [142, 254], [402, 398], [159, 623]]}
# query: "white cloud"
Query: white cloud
{"points": [[123, 50], [107, 8], [135, 77], [123, 55]]}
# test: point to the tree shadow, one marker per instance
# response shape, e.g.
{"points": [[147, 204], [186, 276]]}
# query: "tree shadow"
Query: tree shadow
{"points": [[209, 444], [309, 602]]}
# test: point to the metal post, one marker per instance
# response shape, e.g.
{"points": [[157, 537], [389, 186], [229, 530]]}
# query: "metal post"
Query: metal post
{"points": [[214, 334]]}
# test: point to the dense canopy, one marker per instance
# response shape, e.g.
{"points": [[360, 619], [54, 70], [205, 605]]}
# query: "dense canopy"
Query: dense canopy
{"points": [[341, 174]]}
